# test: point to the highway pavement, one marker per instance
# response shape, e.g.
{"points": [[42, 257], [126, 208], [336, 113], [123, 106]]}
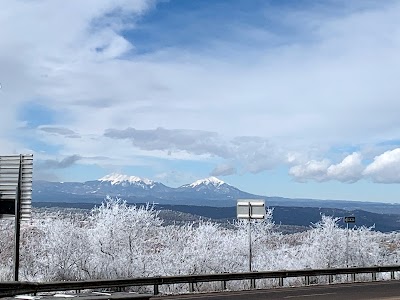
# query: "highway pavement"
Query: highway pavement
{"points": [[354, 291]]}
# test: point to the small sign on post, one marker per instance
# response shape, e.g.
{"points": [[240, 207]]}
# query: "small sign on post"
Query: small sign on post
{"points": [[349, 219], [250, 209]]}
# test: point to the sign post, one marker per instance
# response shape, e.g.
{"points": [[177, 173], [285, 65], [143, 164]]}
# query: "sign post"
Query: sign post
{"points": [[250, 209], [16, 195], [348, 220]]}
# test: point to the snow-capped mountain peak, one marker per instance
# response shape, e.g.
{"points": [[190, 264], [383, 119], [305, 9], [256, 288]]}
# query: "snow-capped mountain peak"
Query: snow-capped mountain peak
{"points": [[138, 189], [116, 178], [207, 181], [211, 188]]}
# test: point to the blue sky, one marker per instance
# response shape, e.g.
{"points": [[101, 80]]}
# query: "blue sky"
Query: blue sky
{"points": [[279, 98]]}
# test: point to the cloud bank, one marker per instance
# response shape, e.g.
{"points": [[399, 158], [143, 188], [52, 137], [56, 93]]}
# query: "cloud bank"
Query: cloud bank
{"points": [[253, 154], [385, 168]]}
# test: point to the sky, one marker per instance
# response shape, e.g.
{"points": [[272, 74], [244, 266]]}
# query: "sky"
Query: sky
{"points": [[282, 98]]}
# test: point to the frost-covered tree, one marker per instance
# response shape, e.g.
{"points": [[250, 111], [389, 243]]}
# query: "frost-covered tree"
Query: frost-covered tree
{"points": [[325, 245], [123, 239], [118, 240], [54, 248]]}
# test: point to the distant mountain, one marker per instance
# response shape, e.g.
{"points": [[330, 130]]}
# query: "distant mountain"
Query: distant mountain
{"points": [[124, 185], [201, 192], [212, 188], [132, 182]]}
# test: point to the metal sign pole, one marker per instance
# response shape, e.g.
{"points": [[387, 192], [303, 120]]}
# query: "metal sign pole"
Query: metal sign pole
{"points": [[17, 222], [250, 209], [347, 245], [348, 220], [250, 254]]}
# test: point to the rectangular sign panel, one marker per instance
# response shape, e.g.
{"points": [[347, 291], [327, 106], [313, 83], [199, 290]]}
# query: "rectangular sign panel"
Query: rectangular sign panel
{"points": [[16, 177], [250, 209], [350, 219]]}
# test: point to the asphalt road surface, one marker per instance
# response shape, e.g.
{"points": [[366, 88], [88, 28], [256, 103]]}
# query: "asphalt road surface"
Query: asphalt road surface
{"points": [[354, 291]]}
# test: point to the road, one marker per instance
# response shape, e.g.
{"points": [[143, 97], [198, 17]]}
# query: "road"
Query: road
{"points": [[356, 291]]}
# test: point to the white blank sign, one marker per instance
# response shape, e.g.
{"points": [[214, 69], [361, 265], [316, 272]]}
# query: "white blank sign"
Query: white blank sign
{"points": [[250, 209]]}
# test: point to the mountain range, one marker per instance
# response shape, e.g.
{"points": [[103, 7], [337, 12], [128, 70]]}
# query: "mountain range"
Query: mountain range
{"points": [[204, 192]]}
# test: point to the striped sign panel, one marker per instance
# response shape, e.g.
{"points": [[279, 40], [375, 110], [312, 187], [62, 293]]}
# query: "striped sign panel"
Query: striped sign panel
{"points": [[16, 172]]}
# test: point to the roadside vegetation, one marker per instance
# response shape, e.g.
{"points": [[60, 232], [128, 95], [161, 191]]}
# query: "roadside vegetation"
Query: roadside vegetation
{"points": [[117, 240]]}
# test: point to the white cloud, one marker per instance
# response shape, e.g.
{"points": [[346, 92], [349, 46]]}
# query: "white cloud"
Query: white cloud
{"points": [[385, 168], [42, 41], [349, 170], [313, 169], [253, 154]]}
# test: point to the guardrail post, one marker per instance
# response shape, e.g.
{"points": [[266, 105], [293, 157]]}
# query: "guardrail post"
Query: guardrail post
{"points": [[307, 280], [223, 285], [353, 277], [252, 283], [373, 276], [392, 275], [280, 281], [330, 278], [191, 287], [155, 290]]}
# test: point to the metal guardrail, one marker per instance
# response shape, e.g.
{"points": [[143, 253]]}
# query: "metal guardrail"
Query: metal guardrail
{"points": [[17, 288]]}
